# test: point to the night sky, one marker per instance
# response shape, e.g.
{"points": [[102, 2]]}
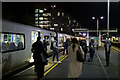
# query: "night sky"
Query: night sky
{"points": [[81, 11]]}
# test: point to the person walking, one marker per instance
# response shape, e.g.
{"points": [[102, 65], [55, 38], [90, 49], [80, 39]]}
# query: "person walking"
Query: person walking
{"points": [[74, 67], [107, 46], [65, 45], [55, 51], [38, 50], [91, 50]]}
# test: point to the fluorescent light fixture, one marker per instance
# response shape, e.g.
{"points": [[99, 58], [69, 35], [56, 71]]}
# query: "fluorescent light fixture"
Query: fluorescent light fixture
{"points": [[84, 34]]}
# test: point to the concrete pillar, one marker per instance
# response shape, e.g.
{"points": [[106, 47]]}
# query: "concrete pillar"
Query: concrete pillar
{"points": [[87, 38], [99, 38]]}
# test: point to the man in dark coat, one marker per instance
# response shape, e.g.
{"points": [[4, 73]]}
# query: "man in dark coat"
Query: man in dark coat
{"points": [[91, 50], [107, 46], [38, 49]]}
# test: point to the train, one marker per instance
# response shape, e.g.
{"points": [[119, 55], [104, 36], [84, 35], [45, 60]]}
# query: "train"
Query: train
{"points": [[16, 43]]}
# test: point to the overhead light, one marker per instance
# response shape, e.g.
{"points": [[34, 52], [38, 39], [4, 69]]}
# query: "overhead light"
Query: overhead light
{"points": [[45, 9], [93, 17], [101, 17]]}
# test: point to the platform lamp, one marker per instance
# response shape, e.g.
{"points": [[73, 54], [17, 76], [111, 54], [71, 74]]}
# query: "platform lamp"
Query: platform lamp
{"points": [[97, 28]]}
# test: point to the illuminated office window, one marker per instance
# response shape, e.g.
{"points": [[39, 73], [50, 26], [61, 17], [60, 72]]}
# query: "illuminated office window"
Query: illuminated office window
{"points": [[36, 22], [55, 24], [36, 10], [36, 18], [58, 14], [36, 15], [49, 14], [41, 22], [40, 18], [41, 11], [62, 14], [45, 18]]}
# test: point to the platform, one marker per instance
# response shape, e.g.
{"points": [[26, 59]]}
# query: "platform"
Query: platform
{"points": [[90, 70]]}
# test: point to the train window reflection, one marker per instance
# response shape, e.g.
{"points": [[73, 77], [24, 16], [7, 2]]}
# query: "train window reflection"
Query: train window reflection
{"points": [[12, 42]]}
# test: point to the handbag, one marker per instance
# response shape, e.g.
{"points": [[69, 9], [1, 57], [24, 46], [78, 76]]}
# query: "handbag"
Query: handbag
{"points": [[44, 59], [79, 56]]}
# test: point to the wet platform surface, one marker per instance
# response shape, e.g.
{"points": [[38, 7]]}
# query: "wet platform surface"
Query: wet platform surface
{"points": [[90, 70]]}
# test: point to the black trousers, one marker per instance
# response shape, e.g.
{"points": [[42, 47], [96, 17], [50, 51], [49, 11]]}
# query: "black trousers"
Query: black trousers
{"points": [[39, 69], [107, 55], [64, 51]]}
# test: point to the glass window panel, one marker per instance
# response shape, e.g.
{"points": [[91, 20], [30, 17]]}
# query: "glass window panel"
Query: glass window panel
{"points": [[36, 10], [36, 15], [58, 13], [41, 11], [40, 18], [12, 42]]}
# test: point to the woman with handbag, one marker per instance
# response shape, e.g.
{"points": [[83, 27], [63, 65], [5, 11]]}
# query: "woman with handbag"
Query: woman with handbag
{"points": [[74, 66], [40, 58]]}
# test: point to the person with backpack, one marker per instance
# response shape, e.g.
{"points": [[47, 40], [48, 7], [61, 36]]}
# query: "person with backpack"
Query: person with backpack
{"points": [[40, 58], [55, 51], [74, 66]]}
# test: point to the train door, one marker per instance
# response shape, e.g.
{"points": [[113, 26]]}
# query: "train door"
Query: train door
{"points": [[60, 39], [34, 35]]}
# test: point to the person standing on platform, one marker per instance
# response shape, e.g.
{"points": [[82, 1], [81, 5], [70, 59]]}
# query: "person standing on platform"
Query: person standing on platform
{"points": [[65, 45], [74, 67], [84, 47], [91, 50], [107, 46], [37, 50], [55, 51]]}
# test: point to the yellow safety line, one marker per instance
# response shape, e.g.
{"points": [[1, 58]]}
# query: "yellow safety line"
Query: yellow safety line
{"points": [[116, 51], [113, 48], [54, 66]]}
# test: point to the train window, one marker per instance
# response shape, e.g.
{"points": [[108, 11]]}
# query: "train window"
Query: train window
{"points": [[61, 40], [12, 42]]}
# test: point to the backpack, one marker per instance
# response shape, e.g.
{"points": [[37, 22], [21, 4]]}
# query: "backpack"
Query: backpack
{"points": [[79, 56]]}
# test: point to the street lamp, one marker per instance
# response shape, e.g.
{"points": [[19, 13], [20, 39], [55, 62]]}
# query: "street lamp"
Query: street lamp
{"points": [[97, 27]]}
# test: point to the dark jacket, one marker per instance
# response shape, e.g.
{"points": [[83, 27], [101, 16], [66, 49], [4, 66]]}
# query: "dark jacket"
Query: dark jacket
{"points": [[91, 47], [37, 49], [109, 45], [84, 47], [65, 44]]}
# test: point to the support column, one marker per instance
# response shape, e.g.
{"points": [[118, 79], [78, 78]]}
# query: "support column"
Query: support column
{"points": [[87, 37], [119, 39], [99, 38]]}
